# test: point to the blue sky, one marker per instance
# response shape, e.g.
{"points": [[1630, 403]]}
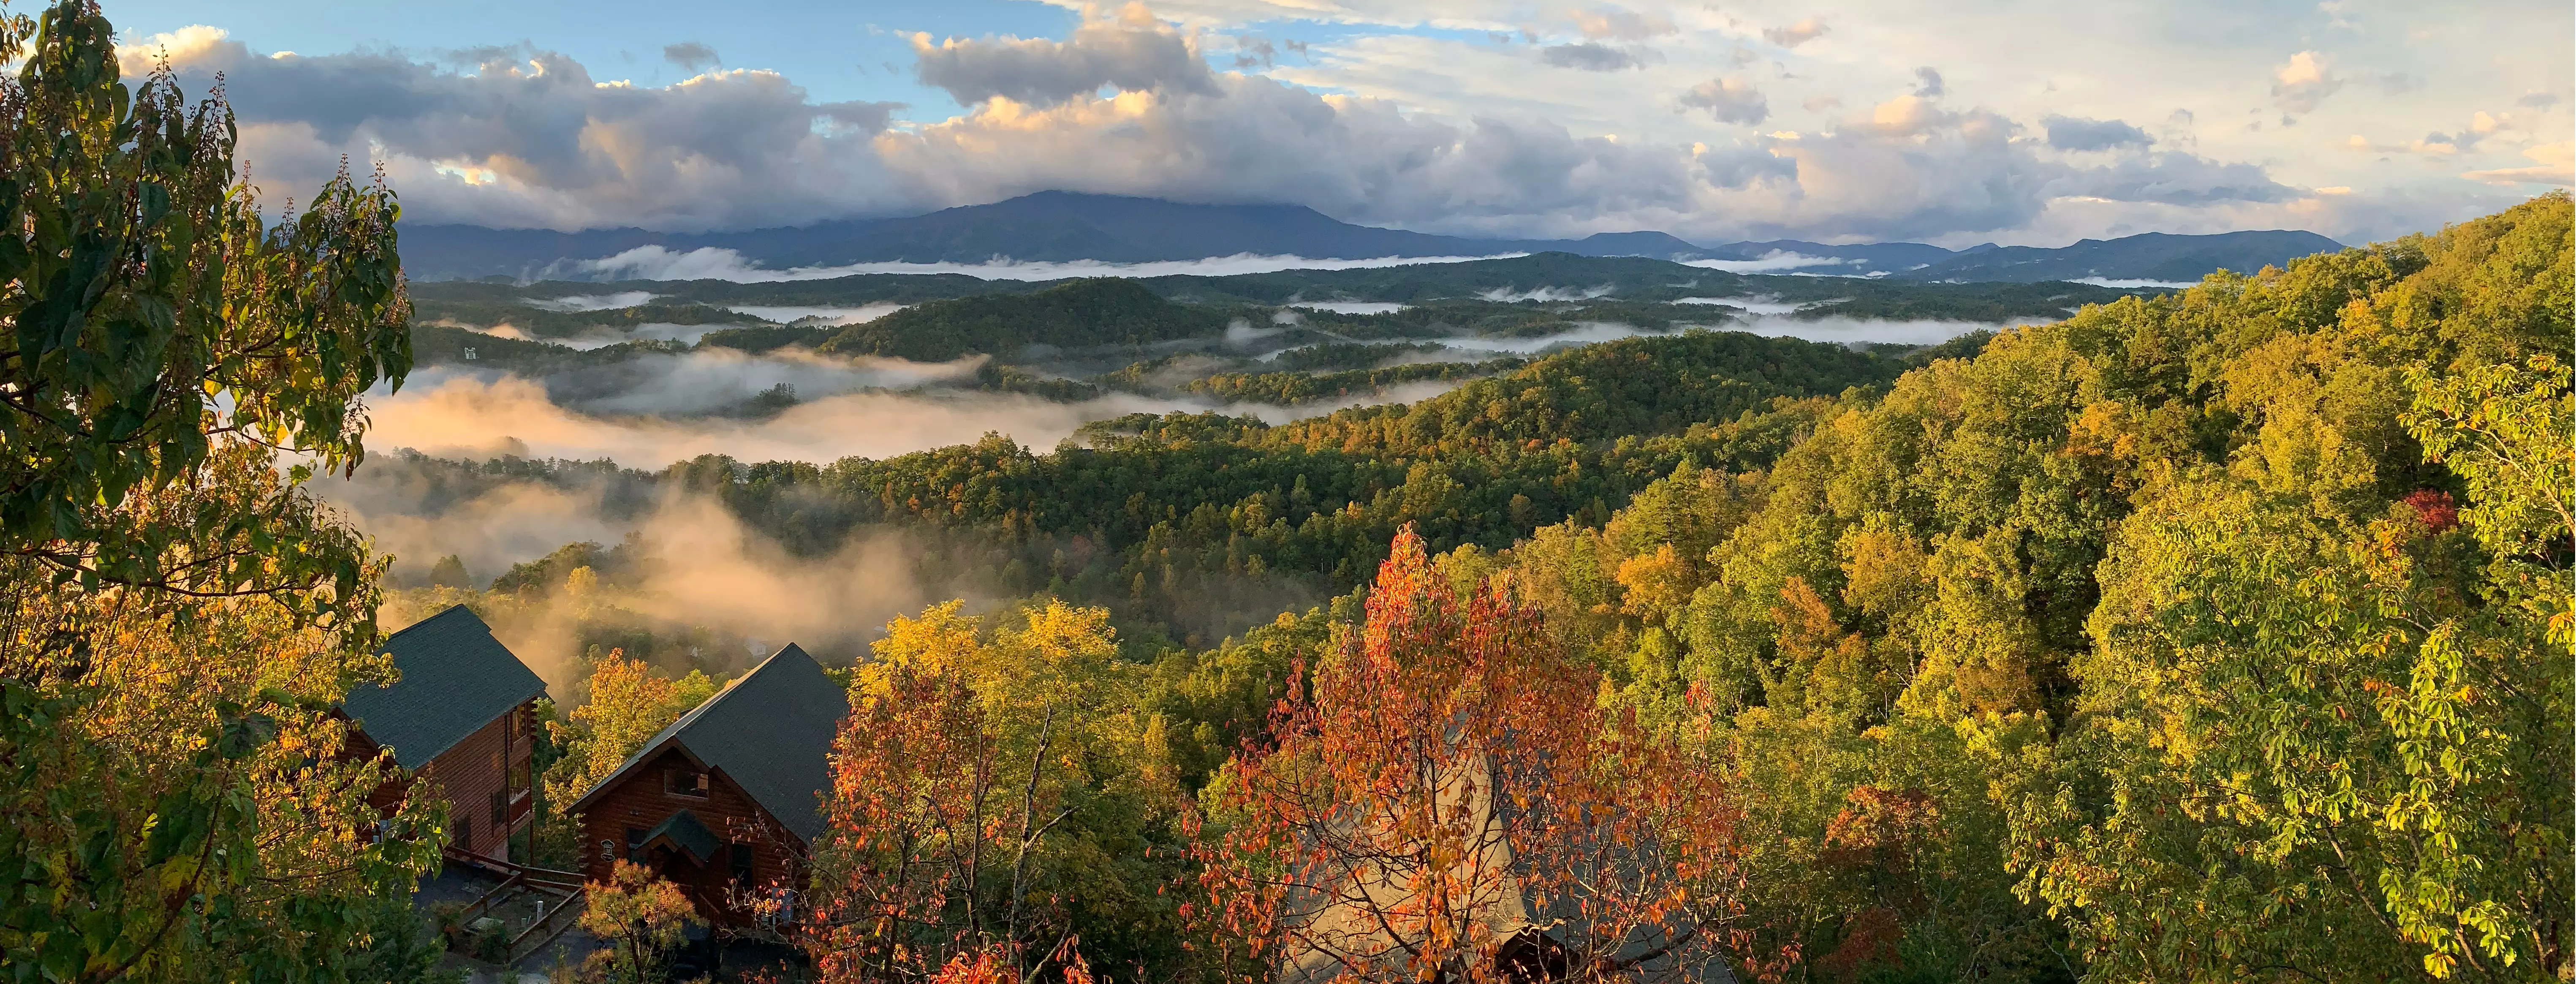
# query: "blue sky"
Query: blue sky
{"points": [[2012, 121]]}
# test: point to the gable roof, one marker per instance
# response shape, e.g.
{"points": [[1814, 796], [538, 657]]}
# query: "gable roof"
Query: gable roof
{"points": [[770, 732], [455, 679], [687, 833]]}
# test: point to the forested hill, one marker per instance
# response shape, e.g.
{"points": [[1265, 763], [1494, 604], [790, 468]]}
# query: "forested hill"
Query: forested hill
{"points": [[1072, 314], [1224, 517], [2148, 644]]}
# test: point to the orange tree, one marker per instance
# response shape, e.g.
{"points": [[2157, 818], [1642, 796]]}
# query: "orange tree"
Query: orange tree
{"points": [[1450, 802]]}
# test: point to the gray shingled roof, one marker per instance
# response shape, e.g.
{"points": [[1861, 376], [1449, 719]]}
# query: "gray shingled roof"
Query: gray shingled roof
{"points": [[456, 678], [771, 732], [690, 833]]}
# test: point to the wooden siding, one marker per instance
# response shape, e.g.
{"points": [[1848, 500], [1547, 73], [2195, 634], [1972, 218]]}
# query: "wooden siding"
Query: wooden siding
{"points": [[640, 802], [469, 773]]}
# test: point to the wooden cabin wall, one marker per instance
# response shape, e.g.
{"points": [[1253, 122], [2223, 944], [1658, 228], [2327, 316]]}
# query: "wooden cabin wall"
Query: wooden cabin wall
{"points": [[469, 773], [639, 801]]}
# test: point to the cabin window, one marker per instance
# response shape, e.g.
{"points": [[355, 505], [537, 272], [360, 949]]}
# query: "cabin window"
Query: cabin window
{"points": [[635, 844], [740, 854], [500, 808], [687, 782], [465, 833]]}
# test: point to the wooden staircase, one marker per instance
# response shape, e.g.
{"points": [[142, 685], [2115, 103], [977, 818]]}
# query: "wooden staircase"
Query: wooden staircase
{"points": [[555, 897]]}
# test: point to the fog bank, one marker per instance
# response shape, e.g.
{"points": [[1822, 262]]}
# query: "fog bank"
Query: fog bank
{"points": [[711, 263]]}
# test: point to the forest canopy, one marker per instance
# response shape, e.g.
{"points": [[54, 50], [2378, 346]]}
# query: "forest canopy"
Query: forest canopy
{"points": [[2217, 635], [2222, 635]]}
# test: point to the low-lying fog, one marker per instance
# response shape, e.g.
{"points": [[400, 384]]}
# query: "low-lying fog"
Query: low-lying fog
{"points": [[711, 263], [470, 416]]}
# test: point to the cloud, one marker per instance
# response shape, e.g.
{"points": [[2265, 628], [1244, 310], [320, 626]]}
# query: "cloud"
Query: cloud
{"points": [[702, 573], [520, 137], [2303, 82], [1775, 261], [2175, 178], [2556, 166], [1357, 159], [462, 415], [2079, 134], [1729, 100], [1587, 56], [1795, 34], [1927, 83], [1613, 24], [690, 55], [529, 138], [2537, 99], [1133, 53], [858, 117], [1910, 169]]}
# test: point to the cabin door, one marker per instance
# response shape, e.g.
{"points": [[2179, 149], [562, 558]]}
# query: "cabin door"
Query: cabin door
{"points": [[677, 867]]}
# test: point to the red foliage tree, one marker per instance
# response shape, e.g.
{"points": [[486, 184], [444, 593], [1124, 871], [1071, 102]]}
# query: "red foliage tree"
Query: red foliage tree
{"points": [[1450, 803]]}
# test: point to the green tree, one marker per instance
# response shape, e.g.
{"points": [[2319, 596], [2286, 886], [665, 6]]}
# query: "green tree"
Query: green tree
{"points": [[2309, 744], [178, 619]]}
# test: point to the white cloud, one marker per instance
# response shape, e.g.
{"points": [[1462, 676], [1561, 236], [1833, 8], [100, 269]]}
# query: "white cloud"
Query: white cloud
{"points": [[1133, 52], [1441, 130], [2556, 166], [2303, 83]]}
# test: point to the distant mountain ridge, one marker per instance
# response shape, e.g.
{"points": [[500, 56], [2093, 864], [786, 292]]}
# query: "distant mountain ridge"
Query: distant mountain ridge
{"points": [[1057, 226], [2146, 256]]}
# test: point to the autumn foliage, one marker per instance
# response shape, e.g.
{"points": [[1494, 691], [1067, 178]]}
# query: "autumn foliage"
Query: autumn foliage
{"points": [[985, 775], [641, 918], [1449, 801]]}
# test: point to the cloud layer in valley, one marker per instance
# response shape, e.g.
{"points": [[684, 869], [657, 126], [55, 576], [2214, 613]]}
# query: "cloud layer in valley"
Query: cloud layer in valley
{"points": [[465, 415], [715, 263], [2018, 123]]}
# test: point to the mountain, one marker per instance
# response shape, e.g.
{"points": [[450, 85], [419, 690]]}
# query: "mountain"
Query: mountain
{"points": [[1057, 226], [1051, 226], [2148, 256]]}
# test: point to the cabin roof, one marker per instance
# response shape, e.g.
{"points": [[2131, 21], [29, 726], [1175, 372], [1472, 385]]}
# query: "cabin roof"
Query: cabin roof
{"points": [[456, 678], [688, 833], [770, 732]]}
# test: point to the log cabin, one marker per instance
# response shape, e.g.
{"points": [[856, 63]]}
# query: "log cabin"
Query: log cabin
{"points": [[726, 800], [460, 717]]}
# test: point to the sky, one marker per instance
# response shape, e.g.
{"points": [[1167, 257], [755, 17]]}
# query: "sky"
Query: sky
{"points": [[2021, 122]]}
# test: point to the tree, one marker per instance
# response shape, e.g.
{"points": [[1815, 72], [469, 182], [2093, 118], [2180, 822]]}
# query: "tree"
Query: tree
{"points": [[2310, 744], [642, 918], [178, 620], [629, 703], [154, 314], [1449, 803], [177, 799], [995, 798]]}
